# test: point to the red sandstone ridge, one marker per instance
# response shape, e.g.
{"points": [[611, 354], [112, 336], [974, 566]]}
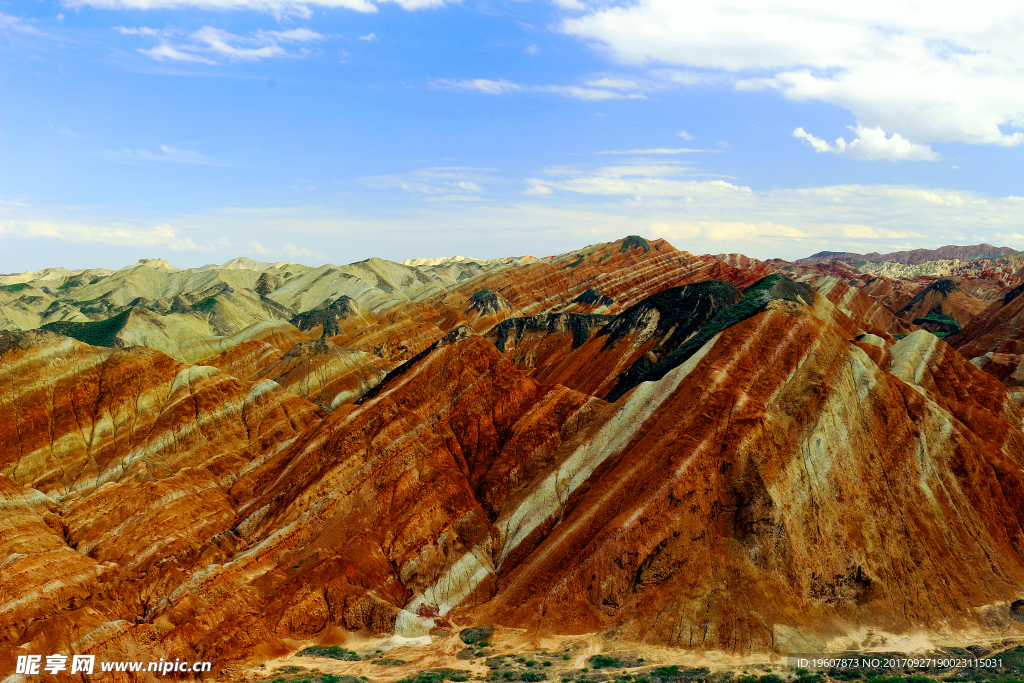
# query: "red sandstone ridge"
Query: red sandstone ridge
{"points": [[701, 453]]}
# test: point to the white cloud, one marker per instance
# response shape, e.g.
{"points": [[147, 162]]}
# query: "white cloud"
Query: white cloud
{"points": [[258, 248], [296, 35], [533, 49], [220, 41], [537, 187], [297, 252], [657, 150], [164, 51], [614, 84], [368, 37], [932, 73], [575, 91], [868, 232], [140, 31], [204, 45], [166, 154], [871, 144], [502, 86], [279, 8], [9, 24], [483, 85], [161, 235], [437, 181], [684, 135], [732, 231]]}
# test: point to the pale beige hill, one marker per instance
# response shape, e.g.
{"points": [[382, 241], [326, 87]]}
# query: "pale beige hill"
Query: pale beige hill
{"points": [[245, 263], [29, 308], [443, 261], [187, 339], [376, 284], [246, 291]]}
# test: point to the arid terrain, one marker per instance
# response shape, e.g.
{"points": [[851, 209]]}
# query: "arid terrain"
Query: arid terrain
{"points": [[609, 462]]}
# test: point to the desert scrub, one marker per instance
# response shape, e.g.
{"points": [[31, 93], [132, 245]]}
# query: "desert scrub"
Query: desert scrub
{"points": [[99, 333], [332, 652], [603, 662], [204, 305]]}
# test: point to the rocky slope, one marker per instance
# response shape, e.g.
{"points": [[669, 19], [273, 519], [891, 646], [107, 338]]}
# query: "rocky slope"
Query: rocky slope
{"points": [[947, 253], [701, 453]]}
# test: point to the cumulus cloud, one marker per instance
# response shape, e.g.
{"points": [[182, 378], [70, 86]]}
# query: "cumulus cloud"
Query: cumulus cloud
{"points": [[871, 144], [940, 74], [369, 37], [684, 135], [258, 248]]}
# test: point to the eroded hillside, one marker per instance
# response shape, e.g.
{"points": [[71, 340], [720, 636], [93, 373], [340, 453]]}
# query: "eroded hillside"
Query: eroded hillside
{"points": [[701, 453]]}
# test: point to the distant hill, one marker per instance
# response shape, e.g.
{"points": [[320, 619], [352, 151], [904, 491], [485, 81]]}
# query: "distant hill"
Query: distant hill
{"points": [[946, 253]]}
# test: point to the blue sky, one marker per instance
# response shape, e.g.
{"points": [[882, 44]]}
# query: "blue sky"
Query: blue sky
{"points": [[200, 130]]}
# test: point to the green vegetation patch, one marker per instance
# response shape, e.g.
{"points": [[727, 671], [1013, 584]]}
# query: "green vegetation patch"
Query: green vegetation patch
{"points": [[755, 298], [331, 652], [604, 662], [477, 634], [15, 287], [635, 241], [98, 333], [437, 676], [384, 661], [667, 674], [204, 305]]}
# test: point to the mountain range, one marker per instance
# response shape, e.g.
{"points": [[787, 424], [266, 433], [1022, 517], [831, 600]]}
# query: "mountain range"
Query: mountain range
{"points": [[624, 446]]}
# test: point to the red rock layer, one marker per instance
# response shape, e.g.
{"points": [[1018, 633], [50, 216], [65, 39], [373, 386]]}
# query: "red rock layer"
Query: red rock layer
{"points": [[753, 509], [117, 465], [245, 359], [325, 373], [999, 328]]}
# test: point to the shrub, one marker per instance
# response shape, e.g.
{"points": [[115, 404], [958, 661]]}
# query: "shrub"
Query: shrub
{"points": [[204, 305], [667, 673], [547, 663], [532, 662], [604, 661], [15, 287], [532, 676], [328, 678]]}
